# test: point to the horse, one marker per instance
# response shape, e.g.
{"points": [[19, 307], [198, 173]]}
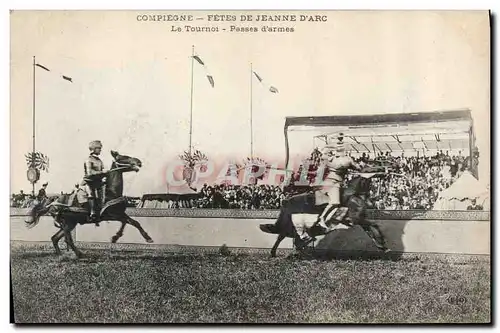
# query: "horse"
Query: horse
{"points": [[68, 211], [304, 209]]}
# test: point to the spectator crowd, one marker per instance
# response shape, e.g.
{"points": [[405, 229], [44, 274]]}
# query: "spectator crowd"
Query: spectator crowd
{"points": [[415, 183], [229, 197], [419, 181], [21, 200]]}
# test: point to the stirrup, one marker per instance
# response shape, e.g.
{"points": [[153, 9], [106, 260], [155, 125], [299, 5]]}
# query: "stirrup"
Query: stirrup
{"points": [[93, 218], [322, 223], [306, 239]]}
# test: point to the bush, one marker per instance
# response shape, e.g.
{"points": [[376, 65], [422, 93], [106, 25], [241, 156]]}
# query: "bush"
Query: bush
{"points": [[224, 250]]}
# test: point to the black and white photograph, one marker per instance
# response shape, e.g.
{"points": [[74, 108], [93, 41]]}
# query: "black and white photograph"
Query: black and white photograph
{"points": [[250, 166]]}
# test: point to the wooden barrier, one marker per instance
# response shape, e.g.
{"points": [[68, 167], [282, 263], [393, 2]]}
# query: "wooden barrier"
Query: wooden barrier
{"points": [[406, 231]]}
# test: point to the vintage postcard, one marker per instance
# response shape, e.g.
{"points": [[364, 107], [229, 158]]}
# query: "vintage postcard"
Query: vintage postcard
{"points": [[250, 166]]}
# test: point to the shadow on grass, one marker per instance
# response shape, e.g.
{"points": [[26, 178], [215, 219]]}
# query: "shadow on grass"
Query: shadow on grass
{"points": [[101, 255], [354, 243], [35, 255], [351, 255], [177, 258]]}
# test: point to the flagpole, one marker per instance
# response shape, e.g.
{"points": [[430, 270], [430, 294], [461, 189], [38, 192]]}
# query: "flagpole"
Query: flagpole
{"points": [[191, 112], [34, 91], [251, 113]]}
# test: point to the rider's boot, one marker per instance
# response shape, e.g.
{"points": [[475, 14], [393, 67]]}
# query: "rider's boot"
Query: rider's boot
{"points": [[93, 211]]}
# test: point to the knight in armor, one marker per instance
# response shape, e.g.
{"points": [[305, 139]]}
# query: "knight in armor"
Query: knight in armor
{"points": [[93, 179], [337, 166]]}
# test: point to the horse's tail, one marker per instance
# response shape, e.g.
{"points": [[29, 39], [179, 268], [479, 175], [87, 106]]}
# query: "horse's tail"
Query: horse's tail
{"points": [[36, 212], [276, 227], [284, 224]]}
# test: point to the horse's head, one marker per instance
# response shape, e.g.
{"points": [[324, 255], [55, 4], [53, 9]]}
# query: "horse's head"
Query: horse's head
{"points": [[133, 163]]}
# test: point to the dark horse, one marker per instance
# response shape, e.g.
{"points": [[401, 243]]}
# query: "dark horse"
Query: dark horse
{"points": [[354, 198], [67, 215]]}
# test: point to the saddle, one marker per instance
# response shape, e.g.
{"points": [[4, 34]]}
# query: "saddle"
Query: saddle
{"points": [[71, 208], [75, 202], [320, 199]]}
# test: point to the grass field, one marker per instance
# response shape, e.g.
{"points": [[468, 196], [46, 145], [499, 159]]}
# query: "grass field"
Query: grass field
{"points": [[154, 286]]}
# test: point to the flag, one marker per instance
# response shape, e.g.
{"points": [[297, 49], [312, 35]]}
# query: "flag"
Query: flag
{"points": [[258, 77], [211, 80], [67, 78], [209, 77], [41, 66], [37, 160], [272, 89], [199, 60]]}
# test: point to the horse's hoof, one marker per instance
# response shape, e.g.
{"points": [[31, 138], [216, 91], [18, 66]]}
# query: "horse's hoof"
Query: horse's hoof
{"points": [[387, 250], [149, 241], [114, 239]]}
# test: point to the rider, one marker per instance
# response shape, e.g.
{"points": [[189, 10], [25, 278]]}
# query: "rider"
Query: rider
{"points": [[93, 185], [337, 168], [42, 194]]}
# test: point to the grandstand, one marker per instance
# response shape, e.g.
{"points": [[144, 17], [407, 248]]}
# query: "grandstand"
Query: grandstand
{"points": [[411, 134]]}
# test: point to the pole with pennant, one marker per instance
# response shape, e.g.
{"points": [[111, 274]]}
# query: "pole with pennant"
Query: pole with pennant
{"points": [[210, 80], [34, 123], [272, 89], [38, 161], [251, 112], [191, 107]]}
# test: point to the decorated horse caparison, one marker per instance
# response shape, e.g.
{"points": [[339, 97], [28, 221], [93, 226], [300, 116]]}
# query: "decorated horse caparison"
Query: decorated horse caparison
{"points": [[67, 215], [301, 211]]}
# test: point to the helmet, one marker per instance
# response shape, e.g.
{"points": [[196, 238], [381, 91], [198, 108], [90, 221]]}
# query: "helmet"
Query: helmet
{"points": [[95, 144], [340, 149]]}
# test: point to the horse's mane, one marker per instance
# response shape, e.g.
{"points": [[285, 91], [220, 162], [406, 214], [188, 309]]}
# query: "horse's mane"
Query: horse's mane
{"points": [[359, 184]]}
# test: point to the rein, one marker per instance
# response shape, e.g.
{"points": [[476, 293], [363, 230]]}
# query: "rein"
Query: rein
{"points": [[119, 168]]}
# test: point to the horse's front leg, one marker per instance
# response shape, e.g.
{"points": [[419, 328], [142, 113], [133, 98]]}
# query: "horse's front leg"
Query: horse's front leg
{"points": [[373, 231], [119, 233], [137, 225], [276, 244]]}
